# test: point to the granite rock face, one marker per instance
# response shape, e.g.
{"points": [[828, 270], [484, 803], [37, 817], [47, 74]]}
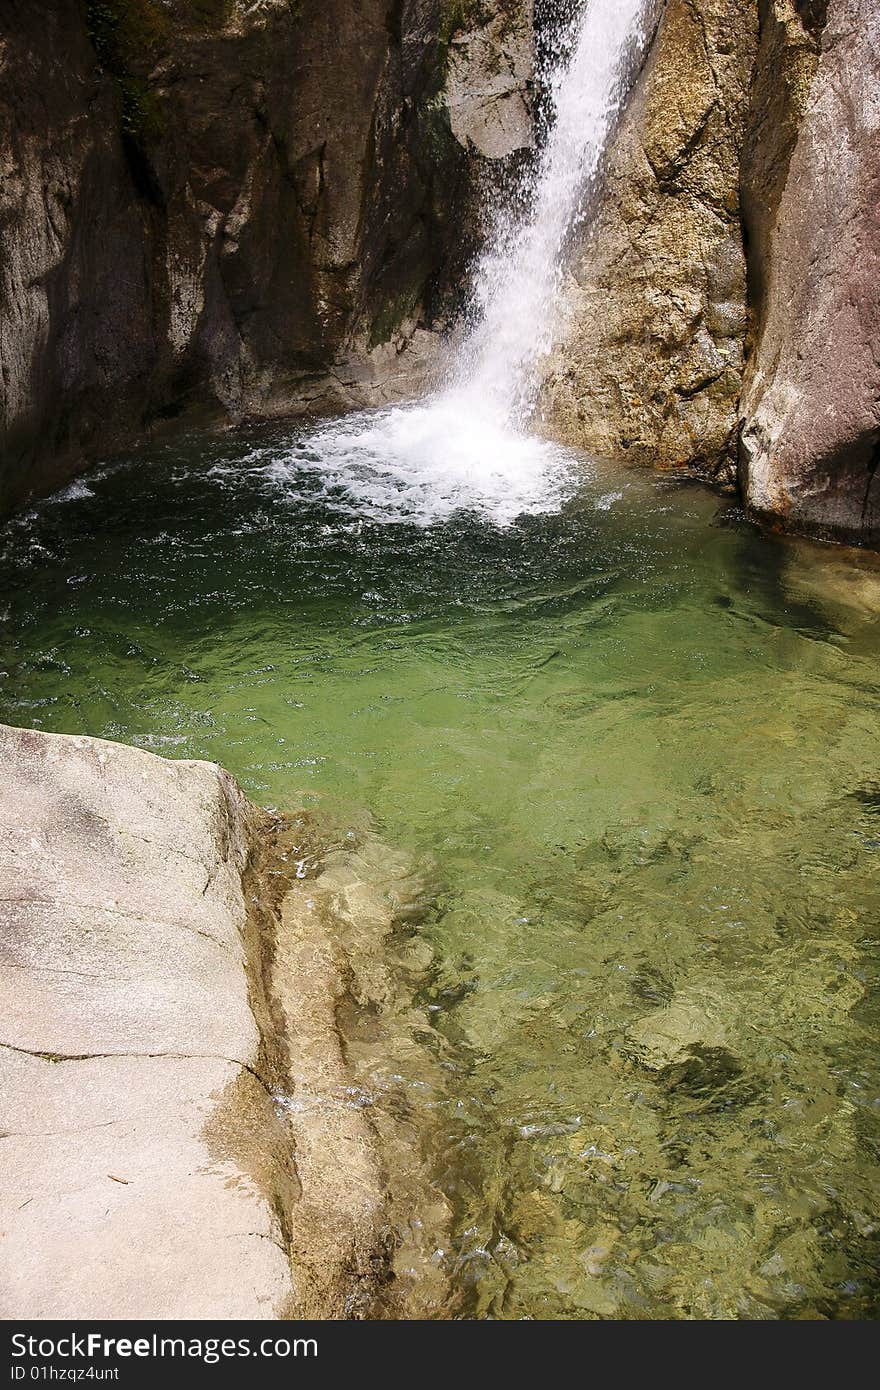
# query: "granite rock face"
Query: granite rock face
{"points": [[651, 364], [723, 310], [217, 209], [178, 1137], [810, 438], [490, 67], [131, 1057], [77, 346]]}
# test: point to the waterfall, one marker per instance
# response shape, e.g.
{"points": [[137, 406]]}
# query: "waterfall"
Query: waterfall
{"points": [[468, 447], [519, 279]]}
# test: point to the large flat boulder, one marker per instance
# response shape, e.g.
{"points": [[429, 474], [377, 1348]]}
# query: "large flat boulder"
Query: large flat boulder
{"points": [[177, 1135], [143, 1157]]}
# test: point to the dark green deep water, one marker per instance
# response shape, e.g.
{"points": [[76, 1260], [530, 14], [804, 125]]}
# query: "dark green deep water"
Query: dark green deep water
{"points": [[635, 742]]}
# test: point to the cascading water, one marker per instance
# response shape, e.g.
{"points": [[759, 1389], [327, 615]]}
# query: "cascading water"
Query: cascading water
{"points": [[467, 446], [519, 279]]}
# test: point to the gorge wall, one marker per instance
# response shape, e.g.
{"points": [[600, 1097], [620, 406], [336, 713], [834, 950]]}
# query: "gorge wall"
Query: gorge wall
{"points": [[724, 309], [217, 209], [810, 442], [651, 367]]}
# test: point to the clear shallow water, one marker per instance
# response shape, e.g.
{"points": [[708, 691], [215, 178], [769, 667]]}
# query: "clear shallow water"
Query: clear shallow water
{"points": [[635, 745]]}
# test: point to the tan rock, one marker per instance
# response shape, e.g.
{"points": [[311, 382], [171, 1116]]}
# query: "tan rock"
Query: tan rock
{"points": [[692, 1019], [651, 366], [127, 1035], [489, 71]]}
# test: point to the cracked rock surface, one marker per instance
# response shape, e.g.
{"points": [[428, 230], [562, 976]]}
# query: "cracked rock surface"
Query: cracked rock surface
{"points": [[651, 365], [129, 1044], [150, 1048]]}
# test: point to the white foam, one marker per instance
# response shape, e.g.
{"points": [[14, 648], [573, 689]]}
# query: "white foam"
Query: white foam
{"points": [[518, 289], [424, 463], [76, 491]]}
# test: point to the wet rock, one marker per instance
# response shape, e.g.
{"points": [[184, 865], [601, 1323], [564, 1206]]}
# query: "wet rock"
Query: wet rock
{"points": [[843, 585], [668, 1035], [713, 1072], [359, 1050], [687, 1045]]}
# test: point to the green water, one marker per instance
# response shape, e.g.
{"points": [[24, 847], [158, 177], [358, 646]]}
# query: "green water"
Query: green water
{"points": [[635, 745]]}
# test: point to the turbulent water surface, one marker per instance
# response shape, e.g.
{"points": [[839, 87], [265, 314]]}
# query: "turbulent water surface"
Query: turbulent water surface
{"points": [[632, 743]]}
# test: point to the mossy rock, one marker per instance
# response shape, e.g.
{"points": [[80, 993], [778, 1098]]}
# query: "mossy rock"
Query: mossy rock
{"points": [[128, 35], [124, 33]]}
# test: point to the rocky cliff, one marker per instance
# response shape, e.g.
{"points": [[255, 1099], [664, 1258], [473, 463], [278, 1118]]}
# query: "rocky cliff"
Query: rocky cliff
{"points": [[225, 208], [810, 442], [651, 366], [723, 307], [234, 208]]}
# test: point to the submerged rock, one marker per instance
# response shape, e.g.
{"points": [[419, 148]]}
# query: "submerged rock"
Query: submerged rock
{"points": [[182, 1133], [668, 1036]]}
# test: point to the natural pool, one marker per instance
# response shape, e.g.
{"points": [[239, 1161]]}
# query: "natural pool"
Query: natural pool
{"points": [[635, 743]]}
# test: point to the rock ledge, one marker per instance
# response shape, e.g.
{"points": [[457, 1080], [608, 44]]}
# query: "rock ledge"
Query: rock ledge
{"points": [[163, 1010]]}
